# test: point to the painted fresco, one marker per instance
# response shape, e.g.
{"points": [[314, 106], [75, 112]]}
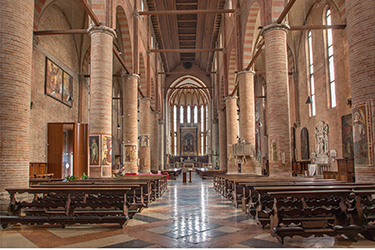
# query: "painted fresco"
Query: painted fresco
{"points": [[106, 150], [94, 150], [130, 153], [347, 136], [361, 152], [273, 151]]}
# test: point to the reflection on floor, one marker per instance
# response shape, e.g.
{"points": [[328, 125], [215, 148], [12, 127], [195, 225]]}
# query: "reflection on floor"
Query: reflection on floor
{"points": [[188, 215]]}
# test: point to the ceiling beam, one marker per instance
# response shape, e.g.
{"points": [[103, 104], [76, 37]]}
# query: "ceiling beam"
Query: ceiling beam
{"points": [[191, 88], [180, 12], [59, 32], [285, 11], [90, 12], [318, 27], [185, 50]]}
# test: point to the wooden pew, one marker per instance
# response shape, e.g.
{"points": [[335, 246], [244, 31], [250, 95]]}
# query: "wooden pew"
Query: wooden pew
{"points": [[172, 172], [205, 173], [323, 212], [80, 205]]}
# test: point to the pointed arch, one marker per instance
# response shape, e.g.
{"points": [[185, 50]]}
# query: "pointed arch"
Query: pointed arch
{"points": [[252, 23], [125, 37], [142, 75], [231, 71]]}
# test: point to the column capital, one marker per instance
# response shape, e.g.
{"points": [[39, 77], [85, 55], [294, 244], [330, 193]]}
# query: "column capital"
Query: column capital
{"points": [[129, 76], [246, 72], [230, 97], [103, 29], [275, 26], [144, 99]]}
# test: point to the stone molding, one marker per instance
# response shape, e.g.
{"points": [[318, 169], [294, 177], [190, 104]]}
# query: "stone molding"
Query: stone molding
{"points": [[94, 29], [275, 26]]}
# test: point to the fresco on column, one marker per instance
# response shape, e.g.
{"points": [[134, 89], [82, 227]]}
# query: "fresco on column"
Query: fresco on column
{"points": [[273, 151], [361, 152], [130, 153], [347, 136], [106, 150], [94, 150]]}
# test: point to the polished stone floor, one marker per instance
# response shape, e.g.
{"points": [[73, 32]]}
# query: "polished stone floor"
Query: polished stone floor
{"points": [[190, 215]]}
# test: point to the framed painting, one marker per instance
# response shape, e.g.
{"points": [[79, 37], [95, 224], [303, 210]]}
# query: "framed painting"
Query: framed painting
{"points": [[106, 150], [273, 151], [347, 136], [305, 148], [94, 150], [130, 153], [360, 135], [53, 80], [58, 83]]}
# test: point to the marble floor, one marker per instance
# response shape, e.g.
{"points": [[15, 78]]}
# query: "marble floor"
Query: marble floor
{"points": [[190, 215]]}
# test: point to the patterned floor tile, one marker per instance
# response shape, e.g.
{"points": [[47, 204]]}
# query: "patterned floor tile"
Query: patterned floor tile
{"points": [[257, 243], [145, 218], [130, 244], [228, 229], [103, 242], [76, 230], [238, 218], [160, 230], [15, 240]]}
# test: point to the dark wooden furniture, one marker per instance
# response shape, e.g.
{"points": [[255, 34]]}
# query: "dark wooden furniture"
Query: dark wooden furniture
{"points": [[208, 173], [172, 172], [345, 171], [299, 167], [38, 168]]}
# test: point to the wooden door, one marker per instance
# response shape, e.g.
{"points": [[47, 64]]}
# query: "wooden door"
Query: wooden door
{"points": [[80, 159], [55, 149]]}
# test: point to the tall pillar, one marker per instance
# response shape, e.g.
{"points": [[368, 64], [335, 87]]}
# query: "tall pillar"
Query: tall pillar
{"points": [[144, 135], [247, 119], [222, 140], [100, 118], [15, 92], [277, 100], [162, 144], [232, 131], [361, 42], [130, 126], [214, 141], [154, 140]]}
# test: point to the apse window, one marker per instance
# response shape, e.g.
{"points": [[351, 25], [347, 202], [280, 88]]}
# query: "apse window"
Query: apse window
{"points": [[331, 65], [311, 74]]}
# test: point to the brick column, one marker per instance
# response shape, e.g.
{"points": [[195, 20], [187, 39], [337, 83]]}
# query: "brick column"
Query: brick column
{"points": [[162, 144], [100, 117], [16, 48], [154, 140], [222, 140], [361, 42], [130, 126], [232, 131], [277, 115], [214, 141], [144, 135], [247, 121]]}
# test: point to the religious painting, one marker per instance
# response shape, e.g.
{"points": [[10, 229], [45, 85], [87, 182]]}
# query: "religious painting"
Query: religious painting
{"points": [[67, 88], [58, 83], [94, 150], [305, 144], [53, 80], [188, 143], [273, 150], [347, 136], [106, 150], [361, 151], [131, 153], [144, 139]]}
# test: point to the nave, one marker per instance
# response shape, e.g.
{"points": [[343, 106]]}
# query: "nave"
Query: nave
{"points": [[191, 215]]}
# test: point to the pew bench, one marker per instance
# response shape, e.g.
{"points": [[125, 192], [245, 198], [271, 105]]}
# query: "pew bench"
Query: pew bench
{"points": [[68, 205]]}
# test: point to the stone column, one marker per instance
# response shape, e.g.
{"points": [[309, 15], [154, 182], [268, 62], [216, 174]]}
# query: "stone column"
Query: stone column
{"points": [[247, 120], [130, 126], [277, 100], [15, 92], [162, 144], [232, 131], [100, 117], [144, 135], [214, 141], [222, 140], [154, 140], [361, 42]]}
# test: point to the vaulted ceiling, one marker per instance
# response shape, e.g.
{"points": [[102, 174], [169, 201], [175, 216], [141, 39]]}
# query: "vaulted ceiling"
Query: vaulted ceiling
{"points": [[187, 31]]}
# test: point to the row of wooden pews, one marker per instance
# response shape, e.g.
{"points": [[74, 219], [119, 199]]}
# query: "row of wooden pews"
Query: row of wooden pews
{"points": [[101, 200], [303, 206], [205, 173]]}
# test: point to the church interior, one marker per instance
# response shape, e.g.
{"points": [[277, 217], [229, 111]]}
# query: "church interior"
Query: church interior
{"points": [[189, 123]]}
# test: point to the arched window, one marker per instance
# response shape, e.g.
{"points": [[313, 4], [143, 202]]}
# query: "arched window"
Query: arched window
{"points": [[175, 130], [202, 129], [311, 73], [331, 65], [181, 114], [195, 114], [188, 115]]}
